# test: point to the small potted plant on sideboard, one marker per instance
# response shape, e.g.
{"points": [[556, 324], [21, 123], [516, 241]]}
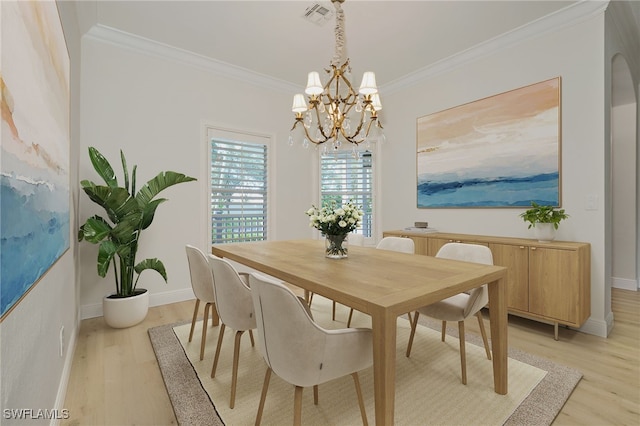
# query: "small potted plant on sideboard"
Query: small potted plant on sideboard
{"points": [[544, 219]]}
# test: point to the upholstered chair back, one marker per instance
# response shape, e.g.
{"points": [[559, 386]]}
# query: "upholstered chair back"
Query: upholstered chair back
{"points": [[475, 253], [233, 295], [403, 245], [201, 278], [294, 346]]}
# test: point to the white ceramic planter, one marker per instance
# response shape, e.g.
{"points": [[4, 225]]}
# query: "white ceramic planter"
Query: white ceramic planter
{"points": [[545, 232], [123, 312]]}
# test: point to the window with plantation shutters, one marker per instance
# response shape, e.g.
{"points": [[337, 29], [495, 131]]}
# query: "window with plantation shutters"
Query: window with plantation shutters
{"points": [[238, 191], [348, 175]]}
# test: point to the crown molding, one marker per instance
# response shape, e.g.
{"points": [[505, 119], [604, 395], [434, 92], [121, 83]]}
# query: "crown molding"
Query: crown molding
{"points": [[568, 16], [145, 46], [563, 18]]}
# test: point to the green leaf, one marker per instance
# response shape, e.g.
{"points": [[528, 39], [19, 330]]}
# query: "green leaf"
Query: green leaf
{"points": [[95, 229], [159, 183], [128, 226], [154, 264], [115, 200], [102, 167], [149, 212], [124, 169], [105, 254], [133, 181]]}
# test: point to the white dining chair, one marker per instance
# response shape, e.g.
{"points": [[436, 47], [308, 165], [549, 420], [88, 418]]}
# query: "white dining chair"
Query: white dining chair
{"points": [[301, 352], [202, 285], [462, 305], [399, 244], [235, 307]]}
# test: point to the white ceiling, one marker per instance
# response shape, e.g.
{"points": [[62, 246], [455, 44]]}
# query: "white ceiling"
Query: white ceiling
{"points": [[392, 38]]}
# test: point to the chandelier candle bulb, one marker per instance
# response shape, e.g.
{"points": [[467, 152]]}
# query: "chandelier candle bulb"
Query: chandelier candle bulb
{"points": [[368, 85], [299, 104], [375, 102], [314, 86]]}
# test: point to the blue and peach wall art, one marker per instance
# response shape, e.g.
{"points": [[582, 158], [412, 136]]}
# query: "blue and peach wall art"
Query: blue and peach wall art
{"points": [[500, 151], [34, 172]]}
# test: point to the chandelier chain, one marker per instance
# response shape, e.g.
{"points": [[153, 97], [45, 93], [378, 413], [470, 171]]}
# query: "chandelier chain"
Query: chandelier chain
{"points": [[339, 53]]}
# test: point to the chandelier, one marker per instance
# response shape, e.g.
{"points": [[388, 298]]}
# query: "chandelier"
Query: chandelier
{"points": [[335, 112]]}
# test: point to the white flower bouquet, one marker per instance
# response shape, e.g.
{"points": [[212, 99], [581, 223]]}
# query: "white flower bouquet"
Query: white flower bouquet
{"points": [[334, 220], [335, 223]]}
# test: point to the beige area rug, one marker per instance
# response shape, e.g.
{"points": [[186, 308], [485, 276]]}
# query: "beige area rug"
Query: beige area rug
{"points": [[428, 387]]}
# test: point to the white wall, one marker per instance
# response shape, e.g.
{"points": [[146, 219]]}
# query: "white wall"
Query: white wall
{"points": [[623, 167], [575, 54], [34, 375], [154, 107]]}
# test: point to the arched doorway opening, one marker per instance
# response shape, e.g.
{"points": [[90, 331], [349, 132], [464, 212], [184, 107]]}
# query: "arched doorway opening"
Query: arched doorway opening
{"points": [[624, 177]]}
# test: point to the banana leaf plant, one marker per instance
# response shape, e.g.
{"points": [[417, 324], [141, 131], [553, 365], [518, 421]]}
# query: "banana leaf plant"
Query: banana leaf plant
{"points": [[129, 213]]}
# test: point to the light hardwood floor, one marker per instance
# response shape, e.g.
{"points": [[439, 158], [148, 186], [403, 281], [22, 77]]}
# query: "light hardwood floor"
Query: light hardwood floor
{"points": [[115, 379]]}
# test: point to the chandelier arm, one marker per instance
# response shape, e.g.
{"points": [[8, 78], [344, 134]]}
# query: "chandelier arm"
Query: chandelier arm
{"points": [[309, 138], [350, 139], [319, 126], [361, 121]]}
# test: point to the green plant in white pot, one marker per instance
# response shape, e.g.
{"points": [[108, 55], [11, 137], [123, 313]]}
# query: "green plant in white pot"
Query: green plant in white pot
{"points": [[129, 212], [544, 219]]}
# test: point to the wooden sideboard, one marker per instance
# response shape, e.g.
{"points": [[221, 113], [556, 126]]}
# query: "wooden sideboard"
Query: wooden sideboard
{"points": [[550, 282]]}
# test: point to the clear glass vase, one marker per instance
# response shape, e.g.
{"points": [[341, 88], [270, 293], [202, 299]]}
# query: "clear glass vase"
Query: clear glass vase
{"points": [[336, 246]]}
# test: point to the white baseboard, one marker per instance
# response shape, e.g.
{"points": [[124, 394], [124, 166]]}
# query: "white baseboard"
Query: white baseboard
{"points": [[158, 299], [64, 379], [625, 284], [596, 327], [167, 297]]}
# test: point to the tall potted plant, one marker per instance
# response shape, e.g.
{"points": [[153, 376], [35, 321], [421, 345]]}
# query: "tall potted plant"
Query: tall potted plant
{"points": [[129, 213], [544, 219]]}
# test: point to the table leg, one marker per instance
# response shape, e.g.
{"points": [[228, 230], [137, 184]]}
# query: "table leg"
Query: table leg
{"points": [[384, 365], [498, 317]]}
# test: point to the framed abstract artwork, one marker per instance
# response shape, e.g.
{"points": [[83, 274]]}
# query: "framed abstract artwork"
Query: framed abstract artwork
{"points": [[500, 151], [34, 162]]}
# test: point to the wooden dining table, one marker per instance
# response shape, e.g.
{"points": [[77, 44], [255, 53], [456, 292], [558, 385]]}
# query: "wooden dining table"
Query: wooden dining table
{"points": [[384, 284]]}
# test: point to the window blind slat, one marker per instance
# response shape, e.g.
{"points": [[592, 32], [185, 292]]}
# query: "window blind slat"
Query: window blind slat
{"points": [[344, 178], [238, 191]]}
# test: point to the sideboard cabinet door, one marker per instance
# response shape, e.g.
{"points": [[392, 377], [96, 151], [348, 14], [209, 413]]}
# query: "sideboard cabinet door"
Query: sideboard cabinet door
{"points": [[554, 288], [516, 259]]}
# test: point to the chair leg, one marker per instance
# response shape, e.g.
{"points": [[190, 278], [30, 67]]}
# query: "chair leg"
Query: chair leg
{"points": [[195, 317], [414, 324], [234, 373], [350, 316], [215, 359], [315, 394], [333, 313], [363, 413], [297, 406], [263, 396], [215, 318], [204, 329], [444, 330], [484, 334], [253, 342], [463, 355]]}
